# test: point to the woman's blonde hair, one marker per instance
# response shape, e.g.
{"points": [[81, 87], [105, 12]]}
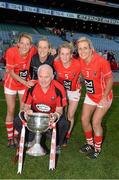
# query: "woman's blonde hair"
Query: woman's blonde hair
{"points": [[26, 35], [81, 39], [46, 40], [66, 45]]}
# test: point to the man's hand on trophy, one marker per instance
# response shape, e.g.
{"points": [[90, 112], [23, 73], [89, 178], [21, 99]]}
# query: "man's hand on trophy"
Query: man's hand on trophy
{"points": [[54, 117], [29, 111], [26, 107], [52, 120], [26, 113]]}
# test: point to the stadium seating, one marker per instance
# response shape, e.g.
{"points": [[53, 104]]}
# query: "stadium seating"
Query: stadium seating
{"points": [[100, 44], [8, 31], [17, 28]]}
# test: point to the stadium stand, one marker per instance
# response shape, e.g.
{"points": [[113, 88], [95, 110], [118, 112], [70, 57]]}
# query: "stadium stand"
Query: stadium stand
{"points": [[100, 44], [40, 25]]}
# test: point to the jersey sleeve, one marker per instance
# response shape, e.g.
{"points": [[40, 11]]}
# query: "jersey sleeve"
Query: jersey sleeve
{"points": [[106, 69], [33, 50], [9, 57], [56, 63], [27, 98], [62, 100]]}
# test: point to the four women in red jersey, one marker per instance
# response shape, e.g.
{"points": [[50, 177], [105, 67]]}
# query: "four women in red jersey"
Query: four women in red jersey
{"points": [[90, 66]]}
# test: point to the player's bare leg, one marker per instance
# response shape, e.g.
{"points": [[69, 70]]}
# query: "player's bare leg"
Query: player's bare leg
{"points": [[16, 138], [98, 130], [87, 112], [10, 100], [70, 115]]}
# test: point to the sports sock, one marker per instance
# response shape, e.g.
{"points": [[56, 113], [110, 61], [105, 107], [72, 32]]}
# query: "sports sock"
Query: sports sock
{"points": [[89, 137], [68, 135], [9, 126], [98, 142]]}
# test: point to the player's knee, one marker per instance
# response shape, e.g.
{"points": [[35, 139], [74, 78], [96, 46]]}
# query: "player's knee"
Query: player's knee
{"points": [[10, 111], [96, 124], [85, 121]]}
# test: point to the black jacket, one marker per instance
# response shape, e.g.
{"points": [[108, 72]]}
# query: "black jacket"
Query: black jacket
{"points": [[36, 63]]}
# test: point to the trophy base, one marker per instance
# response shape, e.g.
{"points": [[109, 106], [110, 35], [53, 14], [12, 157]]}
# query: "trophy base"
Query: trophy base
{"points": [[36, 150]]}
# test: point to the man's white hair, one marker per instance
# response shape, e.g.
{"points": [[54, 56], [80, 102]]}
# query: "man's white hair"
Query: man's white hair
{"points": [[46, 67]]}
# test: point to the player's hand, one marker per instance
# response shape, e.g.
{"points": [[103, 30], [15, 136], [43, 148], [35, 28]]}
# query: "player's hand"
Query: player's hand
{"points": [[29, 112], [103, 103], [53, 51], [29, 84]]}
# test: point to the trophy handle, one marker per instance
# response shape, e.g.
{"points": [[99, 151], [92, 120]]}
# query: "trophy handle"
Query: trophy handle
{"points": [[23, 116], [46, 129]]}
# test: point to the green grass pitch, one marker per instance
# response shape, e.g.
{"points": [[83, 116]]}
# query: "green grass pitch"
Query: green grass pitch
{"points": [[71, 164]]}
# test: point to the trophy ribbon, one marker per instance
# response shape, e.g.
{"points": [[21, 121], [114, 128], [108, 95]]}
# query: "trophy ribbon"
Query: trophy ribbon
{"points": [[21, 147], [53, 148]]}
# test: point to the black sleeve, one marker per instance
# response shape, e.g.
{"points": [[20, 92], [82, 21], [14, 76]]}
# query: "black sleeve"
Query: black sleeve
{"points": [[58, 93], [33, 68], [28, 92]]}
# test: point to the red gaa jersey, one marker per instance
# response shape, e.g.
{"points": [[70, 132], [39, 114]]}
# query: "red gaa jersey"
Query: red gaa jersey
{"points": [[45, 102], [69, 77], [95, 74], [19, 64]]}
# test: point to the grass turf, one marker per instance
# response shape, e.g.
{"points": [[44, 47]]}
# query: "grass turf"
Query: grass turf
{"points": [[71, 164]]}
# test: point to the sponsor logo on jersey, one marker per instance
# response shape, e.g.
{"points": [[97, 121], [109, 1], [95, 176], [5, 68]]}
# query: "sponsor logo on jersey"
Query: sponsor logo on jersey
{"points": [[89, 86], [67, 84], [43, 107], [23, 74]]}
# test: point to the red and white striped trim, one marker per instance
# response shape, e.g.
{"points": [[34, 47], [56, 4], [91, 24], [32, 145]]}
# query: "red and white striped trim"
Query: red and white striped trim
{"points": [[53, 148], [21, 147]]}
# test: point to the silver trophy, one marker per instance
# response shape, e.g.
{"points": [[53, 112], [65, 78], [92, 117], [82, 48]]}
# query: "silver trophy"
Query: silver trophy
{"points": [[38, 123]]}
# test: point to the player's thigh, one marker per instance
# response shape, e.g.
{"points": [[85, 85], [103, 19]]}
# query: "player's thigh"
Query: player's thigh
{"points": [[87, 111], [10, 100], [99, 114], [20, 94]]}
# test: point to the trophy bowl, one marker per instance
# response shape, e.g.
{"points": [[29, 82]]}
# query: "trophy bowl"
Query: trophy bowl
{"points": [[38, 123]]}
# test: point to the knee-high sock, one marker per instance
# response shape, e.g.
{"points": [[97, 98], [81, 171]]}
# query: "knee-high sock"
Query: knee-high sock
{"points": [[98, 142], [89, 137], [9, 126]]}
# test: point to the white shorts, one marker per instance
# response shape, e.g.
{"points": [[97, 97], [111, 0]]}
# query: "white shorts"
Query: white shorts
{"points": [[74, 95], [13, 92], [87, 100]]}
